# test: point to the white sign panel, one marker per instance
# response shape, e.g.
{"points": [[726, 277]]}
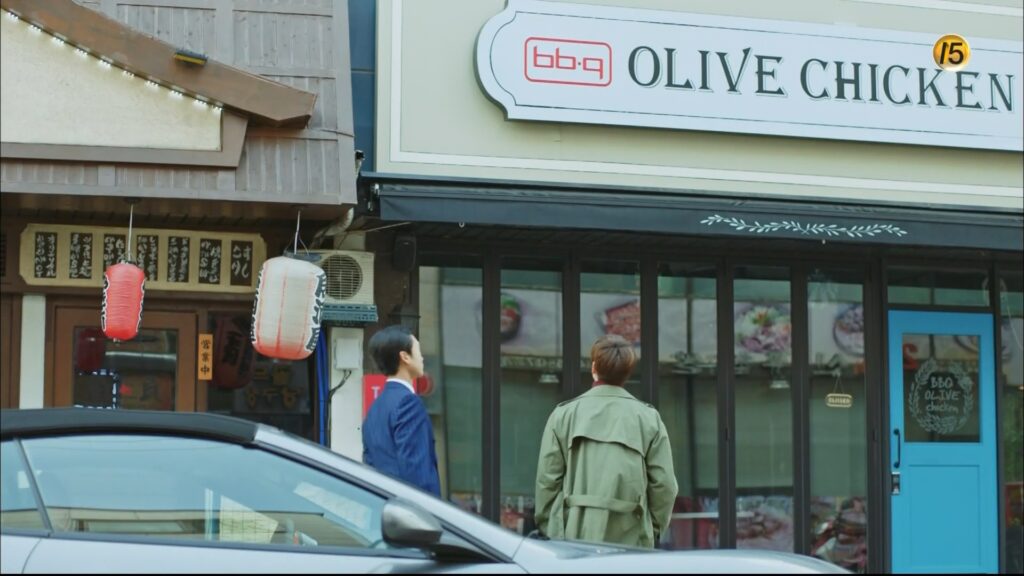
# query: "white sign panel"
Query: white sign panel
{"points": [[600, 65]]}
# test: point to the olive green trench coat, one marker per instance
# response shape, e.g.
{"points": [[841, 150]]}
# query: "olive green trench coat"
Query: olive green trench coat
{"points": [[605, 470]]}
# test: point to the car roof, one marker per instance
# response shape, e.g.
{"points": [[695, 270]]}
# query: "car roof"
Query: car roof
{"points": [[58, 421]]}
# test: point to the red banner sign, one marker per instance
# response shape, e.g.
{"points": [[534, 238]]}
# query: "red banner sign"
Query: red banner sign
{"points": [[373, 385]]}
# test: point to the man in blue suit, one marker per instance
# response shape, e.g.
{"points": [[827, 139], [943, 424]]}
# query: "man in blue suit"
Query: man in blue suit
{"points": [[398, 439]]}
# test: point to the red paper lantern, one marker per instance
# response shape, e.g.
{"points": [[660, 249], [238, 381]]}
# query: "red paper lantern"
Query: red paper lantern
{"points": [[123, 290], [286, 315], [232, 355]]}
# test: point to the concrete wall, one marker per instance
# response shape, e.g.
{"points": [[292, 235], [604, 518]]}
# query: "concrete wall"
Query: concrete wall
{"points": [[51, 93], [33, 350]]}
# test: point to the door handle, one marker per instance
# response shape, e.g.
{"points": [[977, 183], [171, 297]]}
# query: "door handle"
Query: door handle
{"points": [[899, 448]]}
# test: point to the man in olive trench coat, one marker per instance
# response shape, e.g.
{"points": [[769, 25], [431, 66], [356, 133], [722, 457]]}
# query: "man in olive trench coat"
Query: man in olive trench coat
{"points": [[605, 471]]}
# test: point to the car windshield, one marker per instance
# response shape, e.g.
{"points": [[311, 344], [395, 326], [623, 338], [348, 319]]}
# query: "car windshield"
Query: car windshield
{"points": [[188, 488]]}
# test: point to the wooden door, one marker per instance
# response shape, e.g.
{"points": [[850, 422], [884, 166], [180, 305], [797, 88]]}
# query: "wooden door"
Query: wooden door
{"points": [[10, 351], [154, 371]]}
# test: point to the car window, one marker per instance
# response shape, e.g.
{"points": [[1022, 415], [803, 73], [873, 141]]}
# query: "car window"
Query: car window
{"points": [[17, 503], [196, 489]]}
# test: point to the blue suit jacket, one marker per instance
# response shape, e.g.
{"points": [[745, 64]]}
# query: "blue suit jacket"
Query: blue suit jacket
{"points": [[398, 439]]}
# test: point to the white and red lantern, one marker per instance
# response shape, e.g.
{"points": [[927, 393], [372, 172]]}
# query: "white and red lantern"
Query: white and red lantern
{"points": [[123, 291], [286, 315]]}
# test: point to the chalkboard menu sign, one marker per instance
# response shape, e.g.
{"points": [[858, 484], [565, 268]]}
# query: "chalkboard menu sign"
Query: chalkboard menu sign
{"points": [[241, 263], [113, 249], [46, 255], [80, 257], [147, 251], [209, 260], [177, 259]]}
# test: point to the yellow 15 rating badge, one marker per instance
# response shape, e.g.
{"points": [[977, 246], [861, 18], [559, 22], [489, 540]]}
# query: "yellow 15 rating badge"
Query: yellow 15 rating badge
{"points": [[951, 52]]}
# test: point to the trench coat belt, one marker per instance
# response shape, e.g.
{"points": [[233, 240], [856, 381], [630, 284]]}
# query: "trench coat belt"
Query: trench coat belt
{"points": [[613, 504]]}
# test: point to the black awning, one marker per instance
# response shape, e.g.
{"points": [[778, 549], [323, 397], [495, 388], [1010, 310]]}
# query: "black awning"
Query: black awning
{"points": [[518, 204]]}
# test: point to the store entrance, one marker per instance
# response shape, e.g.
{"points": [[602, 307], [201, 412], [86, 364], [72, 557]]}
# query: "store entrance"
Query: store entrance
{"points": [[943, 443], [154, 371]]}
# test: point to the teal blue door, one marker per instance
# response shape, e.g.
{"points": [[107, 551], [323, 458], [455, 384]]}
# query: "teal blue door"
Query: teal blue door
{"points": [[943, 443]]}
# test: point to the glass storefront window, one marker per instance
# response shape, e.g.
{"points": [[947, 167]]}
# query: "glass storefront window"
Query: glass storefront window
{"points": [[249, 385], [530, 385], [451, 338], [927, 286], [610, 304], [531, 368], [138, 374], [688, 399], [764, 412], [838, 418], [1011, 396]]}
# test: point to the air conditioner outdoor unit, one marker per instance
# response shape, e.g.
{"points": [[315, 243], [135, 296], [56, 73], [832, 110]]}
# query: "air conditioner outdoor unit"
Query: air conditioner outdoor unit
{"points": [[349, 275]]}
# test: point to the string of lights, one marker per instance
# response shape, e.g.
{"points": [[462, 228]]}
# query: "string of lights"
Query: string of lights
{"points": [[105, 62]]}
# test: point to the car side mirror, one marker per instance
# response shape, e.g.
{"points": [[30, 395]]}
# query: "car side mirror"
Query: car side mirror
{"points": [[406, 524]]}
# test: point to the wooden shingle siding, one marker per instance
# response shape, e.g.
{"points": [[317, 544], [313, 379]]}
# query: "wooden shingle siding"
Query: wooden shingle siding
{"points": [[280, 42], [142, 177], [190, 28], [278, 164], [49, 173]]}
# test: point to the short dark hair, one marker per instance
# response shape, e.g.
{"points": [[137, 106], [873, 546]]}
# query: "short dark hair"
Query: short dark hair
{"points": [[614, 359], [386, 345]]}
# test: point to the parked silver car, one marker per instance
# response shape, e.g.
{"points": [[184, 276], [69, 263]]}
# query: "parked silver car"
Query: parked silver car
{"points": [[91, 490]]}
